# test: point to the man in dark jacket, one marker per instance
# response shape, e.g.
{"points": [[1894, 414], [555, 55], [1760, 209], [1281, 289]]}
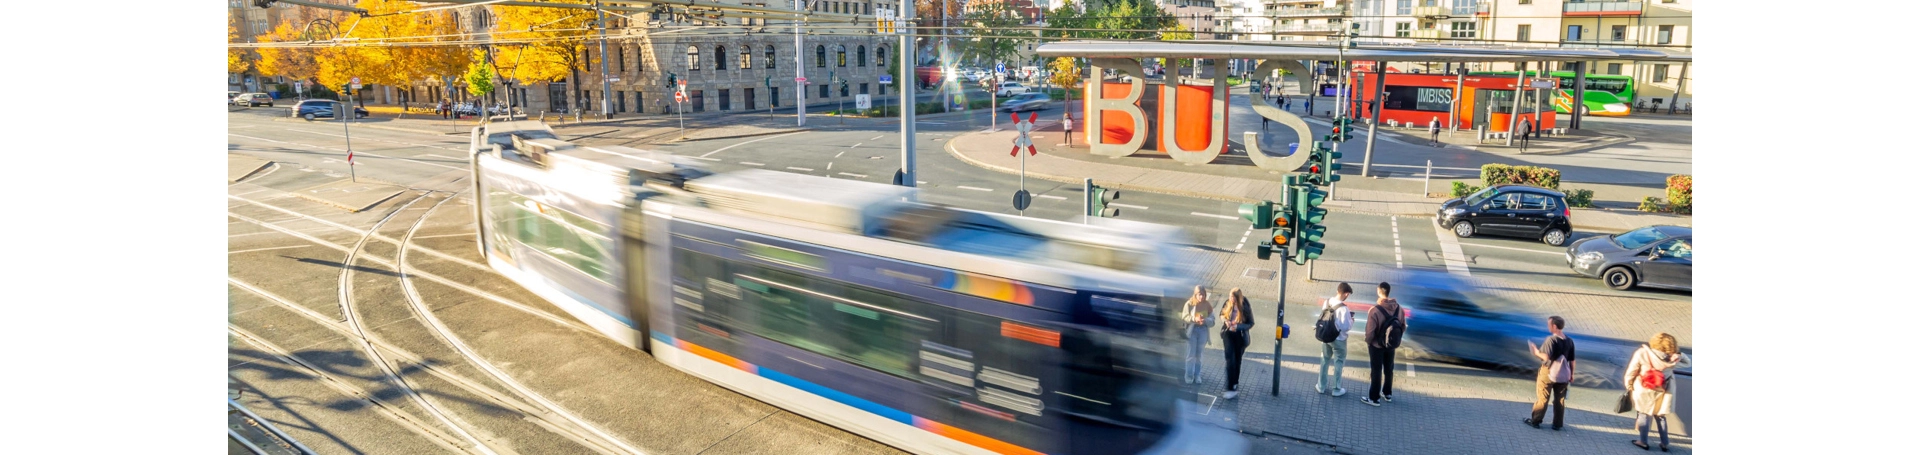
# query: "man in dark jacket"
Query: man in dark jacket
{"points": [[1385, 326]]}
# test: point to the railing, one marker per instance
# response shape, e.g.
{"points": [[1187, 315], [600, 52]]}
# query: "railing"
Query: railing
{"points": [[1431, 11], [1600, 7], [1297, 12], [1307, 28], [1428, 34]]}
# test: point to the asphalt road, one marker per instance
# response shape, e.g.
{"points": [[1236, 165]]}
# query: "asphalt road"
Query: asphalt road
{"points": [[447, 325]]}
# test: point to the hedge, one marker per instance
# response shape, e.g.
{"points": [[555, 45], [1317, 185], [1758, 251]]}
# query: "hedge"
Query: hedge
{"points": [[1501, 174], [1680, 194], [1580, 198]]}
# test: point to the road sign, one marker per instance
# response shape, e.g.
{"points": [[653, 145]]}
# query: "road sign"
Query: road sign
{"points": [[1537, 83], [1025, 139], [299, 86], [356, 82], [1022, 199], [886, 79], [1000, 68], [862, 102], [799, 80], [679, 97], [613, 78]]}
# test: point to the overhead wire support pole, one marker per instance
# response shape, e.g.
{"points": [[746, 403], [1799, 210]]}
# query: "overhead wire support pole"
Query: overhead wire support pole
{"points": [[799, 66], [606, 86], [908, 104], [1519, 87]]}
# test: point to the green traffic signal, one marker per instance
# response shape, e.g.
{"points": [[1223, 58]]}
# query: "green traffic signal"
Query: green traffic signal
{"points": [[1097, 200], [1305, 205], [675, 80], [1307, 251]]}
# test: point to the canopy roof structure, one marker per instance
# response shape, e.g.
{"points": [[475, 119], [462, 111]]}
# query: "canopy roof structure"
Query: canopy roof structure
{"points": [[1412, 53]]}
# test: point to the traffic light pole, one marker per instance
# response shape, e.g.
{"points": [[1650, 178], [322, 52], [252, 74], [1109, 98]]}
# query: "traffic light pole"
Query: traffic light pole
{"points": [[799, 66], [606, 86], [907, 103], [1379, 88], [1279, 323]]}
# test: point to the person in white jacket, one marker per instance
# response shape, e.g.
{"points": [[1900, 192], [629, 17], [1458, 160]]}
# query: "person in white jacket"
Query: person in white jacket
{"points": [[1334, 354], [1659, 357], [1197, 315]]}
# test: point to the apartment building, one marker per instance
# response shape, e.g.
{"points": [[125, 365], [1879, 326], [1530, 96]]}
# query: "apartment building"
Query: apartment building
{"points": [[1306, 20], [1196, 15]]}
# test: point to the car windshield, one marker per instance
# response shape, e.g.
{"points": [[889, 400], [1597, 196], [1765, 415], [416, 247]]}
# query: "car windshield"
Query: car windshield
{"points": [[1477, 198], [1638, 237]]}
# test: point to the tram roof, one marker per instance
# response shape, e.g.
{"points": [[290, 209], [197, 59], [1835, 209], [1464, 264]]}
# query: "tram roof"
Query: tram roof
{"points": [[1367, 52]]}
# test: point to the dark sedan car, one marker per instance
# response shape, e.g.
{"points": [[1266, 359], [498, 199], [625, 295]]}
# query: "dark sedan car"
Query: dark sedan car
{"points": [[311, 109], [1448, 325], [1652, 256], [1509, 210]]}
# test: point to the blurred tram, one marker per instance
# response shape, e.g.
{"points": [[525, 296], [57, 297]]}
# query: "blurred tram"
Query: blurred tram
{"points": [[928, 328]]}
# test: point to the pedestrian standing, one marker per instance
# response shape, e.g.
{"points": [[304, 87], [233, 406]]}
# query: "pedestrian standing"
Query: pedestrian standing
{"points": [[1433, 131], [1384, 329], [1556, 370], [1648, 380], [1331, 331], [1236, 319], [1198, 315], [1525, 127]]}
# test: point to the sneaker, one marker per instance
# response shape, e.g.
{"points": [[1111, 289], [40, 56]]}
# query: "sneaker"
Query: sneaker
{"points": [[1370, 402], [1339, 391], [1318, 389], [1529, 421], [1230, 394], [1389, 398]]}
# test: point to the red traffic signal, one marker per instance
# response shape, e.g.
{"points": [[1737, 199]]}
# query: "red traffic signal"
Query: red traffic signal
{"points": [[1315, 169]]}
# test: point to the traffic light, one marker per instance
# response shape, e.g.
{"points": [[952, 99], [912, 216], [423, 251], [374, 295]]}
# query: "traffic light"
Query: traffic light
{"points": [[1098, 198], [1261, 215], [1307, 216], [263, 3], [1323, 166], [1342, 130], [769, 81], [673, 80]]}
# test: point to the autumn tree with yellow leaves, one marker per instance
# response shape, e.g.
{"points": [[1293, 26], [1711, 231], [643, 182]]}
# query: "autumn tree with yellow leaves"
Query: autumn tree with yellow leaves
{"points": [[236, 57], [552, 40]]}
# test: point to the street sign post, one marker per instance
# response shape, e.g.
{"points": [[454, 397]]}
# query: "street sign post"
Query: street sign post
{"points": [[1023, 140], [886, 79]]}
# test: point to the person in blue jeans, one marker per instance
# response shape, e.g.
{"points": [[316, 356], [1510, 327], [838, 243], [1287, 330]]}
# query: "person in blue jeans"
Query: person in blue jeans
{"points": [[1198, 315], [1333, 355]]}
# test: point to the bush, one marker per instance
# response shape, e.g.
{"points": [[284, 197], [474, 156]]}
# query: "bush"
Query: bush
{"points": [[1680, 194], [1652, 204], [1580, 198], [1501, 174], [1461, 189]]}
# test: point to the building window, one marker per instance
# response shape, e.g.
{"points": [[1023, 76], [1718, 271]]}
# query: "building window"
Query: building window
{"points": [[726, 100], [840, 55], [773, 96], [622, 57], [719, 57], [746, 58], [1666, 34], [1526, 2], [771, 61], [699, 100], [620, 96], [1619, 33], [1525, 33], [823, 91], [860, 54], [1403, 8], [1573, 33], [863, 88], [1464, 29], [1660, 73], [880, 54], [693, 58], [820, 56], [1613, 69], [1402, 29]]}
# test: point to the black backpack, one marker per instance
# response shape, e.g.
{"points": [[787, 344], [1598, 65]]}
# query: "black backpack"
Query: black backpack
{"points": [[1325, 329]]}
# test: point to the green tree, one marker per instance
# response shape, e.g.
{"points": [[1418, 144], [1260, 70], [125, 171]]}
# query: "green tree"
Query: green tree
{"points": [[997, 33], [479, 75]]}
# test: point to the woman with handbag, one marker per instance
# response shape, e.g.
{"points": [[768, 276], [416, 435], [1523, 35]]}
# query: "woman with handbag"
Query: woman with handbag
{"points": [[1648, 380], [1198, 315], [1235, 321]]}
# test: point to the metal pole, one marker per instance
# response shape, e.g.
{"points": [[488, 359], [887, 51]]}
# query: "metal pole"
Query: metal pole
{"points": [[1519, 86], [1579, 92], [1426, 181], [1279, 320], [907, 103], [1680, 87], [1086, 201], [1453, 106], [799, 67], [346, 115], [1379, 89], [606, 86]]}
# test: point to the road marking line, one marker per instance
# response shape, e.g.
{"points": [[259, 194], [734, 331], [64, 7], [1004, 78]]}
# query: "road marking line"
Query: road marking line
{"points": [[964, 187], [853, 174], [702, 158], [1210, 215], [1450, 251], [1131, 206], [855, 145], [802, 169], [842, 152], [750, 163], [922, 182], [829, 165], [722, 149], [1049, 196], [1396, 242], [1242, 244], [265, 249], [875, 138], [1555, 253], [1410, 372]]}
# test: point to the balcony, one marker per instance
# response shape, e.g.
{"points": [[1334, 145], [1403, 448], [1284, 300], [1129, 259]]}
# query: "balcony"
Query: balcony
{"points": [[1483, 10], [1432, 11], [1307, 12], [1306, 29], [1432, 34], [1601, 8]]}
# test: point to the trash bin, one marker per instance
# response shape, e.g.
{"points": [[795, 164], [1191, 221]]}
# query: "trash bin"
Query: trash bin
{"points": [[1682, 403]]}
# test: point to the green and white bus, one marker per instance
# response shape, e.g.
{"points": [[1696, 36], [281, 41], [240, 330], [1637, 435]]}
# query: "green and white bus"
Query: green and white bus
{"points": [[1606, 95]]}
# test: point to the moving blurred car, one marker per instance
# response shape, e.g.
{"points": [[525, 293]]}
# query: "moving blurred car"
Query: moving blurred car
{"points": [[1027, 102], [253, 99], [1448, 325], [1509, 210], [312, 109], [1009, 89], [231, 95], [1652, 256]]}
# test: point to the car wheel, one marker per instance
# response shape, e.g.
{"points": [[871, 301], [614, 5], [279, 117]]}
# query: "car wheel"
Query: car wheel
{"points": [[1618, 278], [1555, 237], [308, 116], [1463, 229]]}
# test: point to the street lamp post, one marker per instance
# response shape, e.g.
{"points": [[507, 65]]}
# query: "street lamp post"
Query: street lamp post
{"points": [[606, 86]]}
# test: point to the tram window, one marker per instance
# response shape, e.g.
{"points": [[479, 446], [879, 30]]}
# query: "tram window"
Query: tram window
{"points": [[862, 326], [565, 241], [883, 341]]}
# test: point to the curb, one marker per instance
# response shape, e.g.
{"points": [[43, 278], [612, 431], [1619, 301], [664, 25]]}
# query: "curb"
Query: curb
{"points": [[256, 170]]}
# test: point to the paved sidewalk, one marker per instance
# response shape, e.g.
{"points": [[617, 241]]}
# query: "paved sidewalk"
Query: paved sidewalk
{"points": [[1353, 194]]}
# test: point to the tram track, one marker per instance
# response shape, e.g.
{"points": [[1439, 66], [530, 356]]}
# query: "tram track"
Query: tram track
{"points": [[366, 339], [385, 409]]}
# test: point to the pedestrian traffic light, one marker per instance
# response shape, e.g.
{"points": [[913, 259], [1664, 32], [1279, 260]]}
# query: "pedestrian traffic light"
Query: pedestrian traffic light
{"points": [[769, 81], [1098, 198], [1307, 217], [673, 80], [1322, 166]]}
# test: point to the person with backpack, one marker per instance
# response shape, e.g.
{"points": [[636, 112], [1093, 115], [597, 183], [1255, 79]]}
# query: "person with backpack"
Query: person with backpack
{"points": [[1198, 315], [1384, 329], [1433, 131], [1331, 330], [1556, 370], [1648, 380], [1236, 319]]}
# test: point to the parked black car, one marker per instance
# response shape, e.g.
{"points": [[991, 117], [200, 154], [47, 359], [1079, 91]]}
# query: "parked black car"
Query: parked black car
{"points": [[1509, 210], [311, 109], [1453, 323], [1652, 256]]}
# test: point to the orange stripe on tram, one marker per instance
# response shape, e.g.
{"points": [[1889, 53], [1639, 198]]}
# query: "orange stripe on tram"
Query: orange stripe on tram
{"points": [[975, 439]]}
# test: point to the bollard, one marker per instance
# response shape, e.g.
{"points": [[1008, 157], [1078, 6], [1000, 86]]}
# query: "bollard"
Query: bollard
{"points": [[1426, 188]]}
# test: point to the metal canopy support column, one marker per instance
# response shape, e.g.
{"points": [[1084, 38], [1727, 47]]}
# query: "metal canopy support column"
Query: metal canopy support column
{"points": [[1453, 106], [1579, 93], [1379, 91], [1680, 88], [1519, 87]]}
